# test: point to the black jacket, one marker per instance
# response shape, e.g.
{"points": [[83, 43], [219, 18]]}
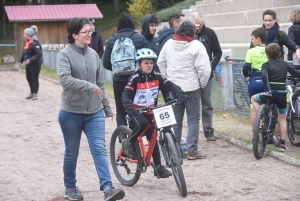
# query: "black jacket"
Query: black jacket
{"points": [[163, 36], [210, 41], [125, 29], [151, 39], [138, 86], [283, 39], [33, 53], [97, 44], [294, 34]]}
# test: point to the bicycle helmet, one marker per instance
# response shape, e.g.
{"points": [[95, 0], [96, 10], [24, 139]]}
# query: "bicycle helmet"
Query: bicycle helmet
{"points": [[144, 53]]}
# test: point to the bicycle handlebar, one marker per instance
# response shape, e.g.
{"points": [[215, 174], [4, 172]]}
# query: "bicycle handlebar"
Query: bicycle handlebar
{"points": [[147, 108]]}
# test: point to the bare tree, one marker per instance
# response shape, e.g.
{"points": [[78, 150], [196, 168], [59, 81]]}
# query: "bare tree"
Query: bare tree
{"points": [[117, 5]]}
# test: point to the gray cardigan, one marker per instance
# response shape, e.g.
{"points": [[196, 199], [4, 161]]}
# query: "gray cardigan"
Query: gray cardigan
{"points": [[79, 72]]}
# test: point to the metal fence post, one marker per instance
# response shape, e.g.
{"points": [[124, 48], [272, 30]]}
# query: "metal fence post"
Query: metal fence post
{"points": [[227, 80]]}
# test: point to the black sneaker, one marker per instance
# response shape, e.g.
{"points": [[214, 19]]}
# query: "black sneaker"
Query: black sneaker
{"points": [[73, 193], [282, 146], [130, 150], [210, 135], [112, 193], [162, 172]]}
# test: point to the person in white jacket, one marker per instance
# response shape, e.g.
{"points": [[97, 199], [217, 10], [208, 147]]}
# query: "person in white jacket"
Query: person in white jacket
{"points": [[184, 61]]}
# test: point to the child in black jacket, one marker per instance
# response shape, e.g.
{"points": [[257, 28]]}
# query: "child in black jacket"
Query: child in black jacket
{"points": [[141, 91]]}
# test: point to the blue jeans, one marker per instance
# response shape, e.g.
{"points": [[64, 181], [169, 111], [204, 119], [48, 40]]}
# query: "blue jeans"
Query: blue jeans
{"points": [[192, 107], [93, 125]]}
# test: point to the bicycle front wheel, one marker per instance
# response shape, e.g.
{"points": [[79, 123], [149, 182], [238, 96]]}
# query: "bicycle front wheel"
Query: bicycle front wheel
{"points": [[126, 172], [175, 164], [259, 133], [293, 123]]}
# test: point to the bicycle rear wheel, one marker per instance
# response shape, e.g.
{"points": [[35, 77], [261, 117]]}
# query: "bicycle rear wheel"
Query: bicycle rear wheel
{"points": [[293, 123], [175, 164], [126, 172], [259, 133]]}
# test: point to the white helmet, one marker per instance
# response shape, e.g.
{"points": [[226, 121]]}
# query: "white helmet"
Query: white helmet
{"points": [[145, 53]]}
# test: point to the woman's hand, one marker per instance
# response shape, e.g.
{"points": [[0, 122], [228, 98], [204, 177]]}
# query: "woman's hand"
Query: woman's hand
{"points": [[98, 91], [27, 62], [20, 65], [112, 117]]}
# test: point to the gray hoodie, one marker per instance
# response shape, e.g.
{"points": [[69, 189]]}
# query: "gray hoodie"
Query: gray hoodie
{"points": [[79, 73]]}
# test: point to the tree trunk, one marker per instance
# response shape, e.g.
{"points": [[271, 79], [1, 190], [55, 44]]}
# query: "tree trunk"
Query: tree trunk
{"points": [[35, 2], [8, 2], [23, 2], [117, 5]]}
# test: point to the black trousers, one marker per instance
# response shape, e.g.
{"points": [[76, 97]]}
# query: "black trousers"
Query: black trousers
{"points": [[140, 122], [118, 90], [32, 76]]}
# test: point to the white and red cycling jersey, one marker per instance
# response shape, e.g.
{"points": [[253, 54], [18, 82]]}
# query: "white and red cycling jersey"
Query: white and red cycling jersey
{"points": [[142, 90]]}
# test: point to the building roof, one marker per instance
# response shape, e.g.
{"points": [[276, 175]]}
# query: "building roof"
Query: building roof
{"points": [[51, 12]]}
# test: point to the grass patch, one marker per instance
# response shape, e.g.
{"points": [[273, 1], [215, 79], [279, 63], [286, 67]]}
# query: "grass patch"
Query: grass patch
{"points": [[107, 26], [163, 15], [49, 73]]}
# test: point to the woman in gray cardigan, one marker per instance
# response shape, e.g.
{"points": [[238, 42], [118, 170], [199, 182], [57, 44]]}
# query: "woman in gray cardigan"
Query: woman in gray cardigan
{"points": [[84, 107]]}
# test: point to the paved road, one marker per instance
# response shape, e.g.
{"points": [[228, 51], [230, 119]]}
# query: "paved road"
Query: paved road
{"points": [[31, 146]]}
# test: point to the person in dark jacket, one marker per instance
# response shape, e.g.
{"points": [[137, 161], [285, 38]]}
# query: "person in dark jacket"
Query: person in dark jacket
{"points": [[294, 31], [96, 40], [149, 23], [175, 19], [136, 95], [276, 35], [210, 41], [32, 56], [125, 29]]}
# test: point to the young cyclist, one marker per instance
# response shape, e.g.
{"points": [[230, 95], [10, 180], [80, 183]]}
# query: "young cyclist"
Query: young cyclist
{"points": [[273, 75], [252, 68], [141, 91]]}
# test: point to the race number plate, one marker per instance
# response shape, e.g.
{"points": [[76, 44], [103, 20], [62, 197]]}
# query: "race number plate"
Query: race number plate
{"points": [[164, 116]]}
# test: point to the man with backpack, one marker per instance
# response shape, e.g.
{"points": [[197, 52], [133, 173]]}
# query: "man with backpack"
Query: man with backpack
{"points": [[119, 58]]}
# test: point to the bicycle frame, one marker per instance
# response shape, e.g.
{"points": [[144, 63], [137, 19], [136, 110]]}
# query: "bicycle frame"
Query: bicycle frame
{"points": [[146, 154]]}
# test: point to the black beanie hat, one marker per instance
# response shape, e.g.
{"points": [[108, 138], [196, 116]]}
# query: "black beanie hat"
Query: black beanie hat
{"points": [[125, 21]]}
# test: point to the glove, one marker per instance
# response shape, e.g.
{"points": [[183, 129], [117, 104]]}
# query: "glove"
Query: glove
{"points": [[180, 97], [132, 113]]}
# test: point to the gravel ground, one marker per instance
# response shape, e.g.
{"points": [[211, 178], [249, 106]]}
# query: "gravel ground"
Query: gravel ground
{"points": [[32, 156]]}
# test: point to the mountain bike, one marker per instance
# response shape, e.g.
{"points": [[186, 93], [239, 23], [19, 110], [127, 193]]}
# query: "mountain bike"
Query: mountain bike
{"points": [[128, 171], [264, 127], [293, 112]]}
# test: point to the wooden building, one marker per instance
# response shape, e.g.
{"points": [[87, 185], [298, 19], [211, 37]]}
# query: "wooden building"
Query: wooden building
{"points": [[50, 20]]}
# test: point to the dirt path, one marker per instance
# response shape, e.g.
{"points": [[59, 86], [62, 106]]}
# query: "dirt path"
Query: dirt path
{"points": [[31, 146]]}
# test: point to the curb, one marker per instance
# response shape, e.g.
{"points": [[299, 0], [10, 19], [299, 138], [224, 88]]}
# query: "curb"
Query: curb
{"points": [[249, 147]]}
